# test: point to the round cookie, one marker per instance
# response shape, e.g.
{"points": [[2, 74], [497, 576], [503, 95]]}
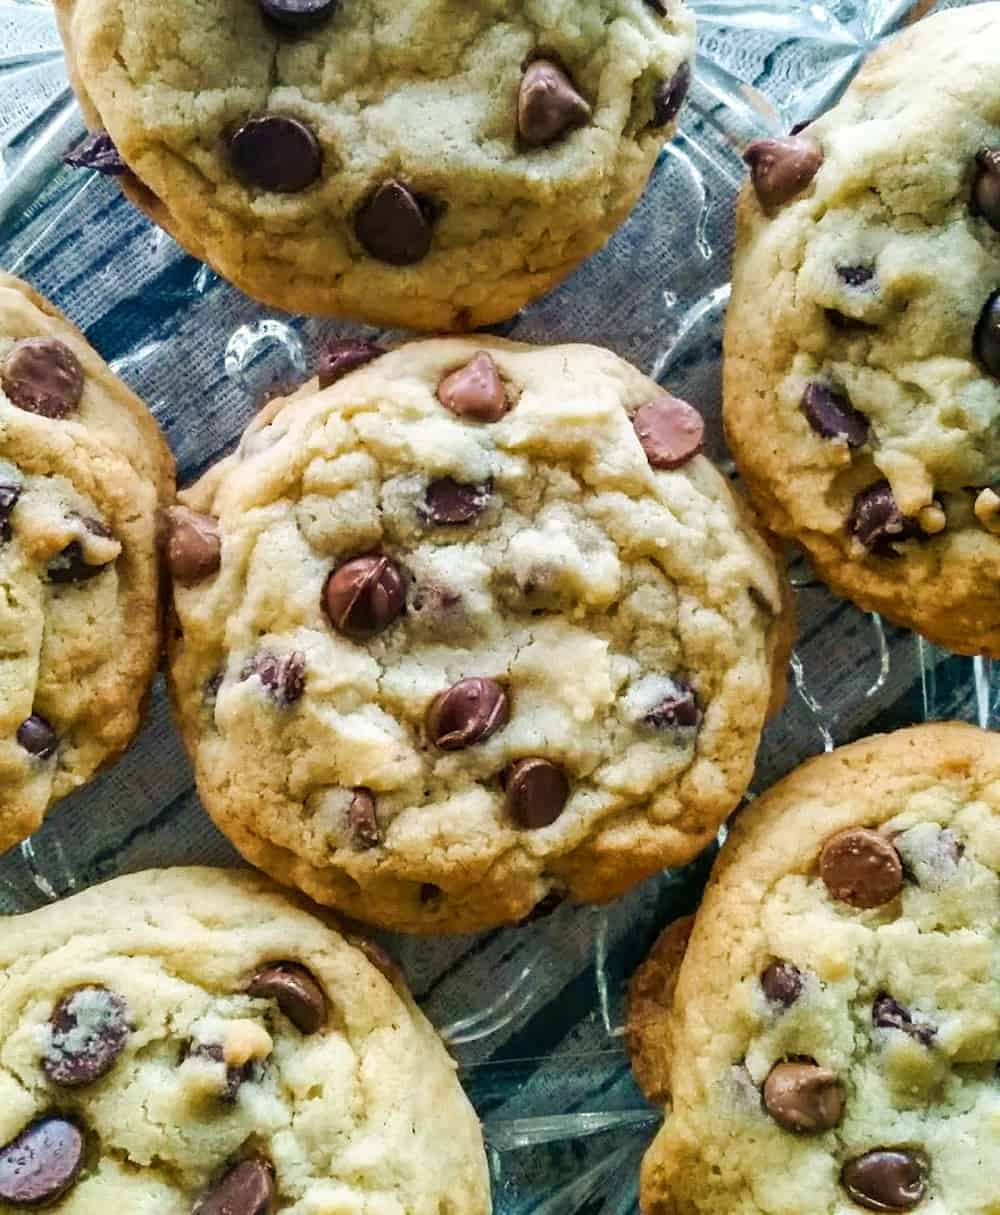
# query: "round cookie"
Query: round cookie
{"points": [[862, 368], [831, 1039], [83, 473], [432, 164], [193, 1040], [471, 626]]}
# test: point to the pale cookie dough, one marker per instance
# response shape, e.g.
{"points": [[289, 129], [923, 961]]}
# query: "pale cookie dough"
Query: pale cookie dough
{"points": [[448, 642], [83, 473], [830, 1042], [192, 1040], [862, 368], [433, 164]]}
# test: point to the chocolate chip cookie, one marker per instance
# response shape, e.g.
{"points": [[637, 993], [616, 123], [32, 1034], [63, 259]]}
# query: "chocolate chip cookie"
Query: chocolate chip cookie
{"points": [[193, 1040], [474, 624], [830, 1039], [433, 164], [83, 472], [862, 368]]}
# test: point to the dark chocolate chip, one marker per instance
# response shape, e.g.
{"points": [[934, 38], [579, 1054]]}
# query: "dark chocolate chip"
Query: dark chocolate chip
{"points": [[678, 709], [296, 991], [669, 95], [429, 893], [194, 546], [88, 1031], [548, 105], [781, 168], [394, 225], [861, 868], [247, 1189], [475, 391], [782, 983], [804, 1097], [888, 1013], [364, 596], [9, 495], [887, 1179], [340, 356], [72, 566], [42, 1163], [670, 430], [855, 276], [363, 820], [298, 14], [986, 342], [282, 675], [469, 712], [877, 521], [449, 503], [43, 376], [537, 791], [37, 737], [831, 414], [97, 152], [235, 1077], [276, 152], [986, 187]]}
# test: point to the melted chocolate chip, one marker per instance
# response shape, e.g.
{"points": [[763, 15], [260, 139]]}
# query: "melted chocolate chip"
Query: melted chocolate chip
{"points": [[469, 712], [194, 546], [804, 1097], [475, 392], [877, 521], [364, 596], [678, 709], [37, 737], [298, 14], [669, 95], [887, 1013], [783, 167], [986, 341], [449, 503], [339, 357], [861, 868], [986, 187], [537, 791], [247, 1189], [548, 105], [782, 983], [855, 276], [394, 225], [887, 1179], [282, 675], [832, 416], [277, 153], [43, 376], [97, 152], [88, 1031], [363, 820], [670, 430], [42, 1163], [296, 992]]}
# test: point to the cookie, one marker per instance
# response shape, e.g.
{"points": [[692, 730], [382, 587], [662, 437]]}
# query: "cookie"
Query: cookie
{"points": [[862, 347], [193, 1040], [432, 164], [831, 1039], [83, 472], [472, 625]]}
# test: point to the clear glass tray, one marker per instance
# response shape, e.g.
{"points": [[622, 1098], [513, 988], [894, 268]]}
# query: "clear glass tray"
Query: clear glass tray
{"points": [[534, 1013]]}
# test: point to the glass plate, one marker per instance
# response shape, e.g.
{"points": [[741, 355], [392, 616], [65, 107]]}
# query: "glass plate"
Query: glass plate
{"points": [[534, 1014]]}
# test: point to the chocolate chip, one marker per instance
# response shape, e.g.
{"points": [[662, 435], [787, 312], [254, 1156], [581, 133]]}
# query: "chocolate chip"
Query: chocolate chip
{"points": [[887, 1179], [394, 225], [537, 790], [669, 95], [861, 868], [855, 276], [235, 1076], [37, 737], [378, 958], [72, 566], [548, 105], [9, 495], [670, 430], [986, 187], [677, 710], [362, 819], [877, 521], [276, 152], [43, 376], [781, 168], [475, 392], [429, 893], [298, 14], [247, 1189], [97, 152], [449, 503], [887, 1013], [658, 6], [831, 414], [88, 1031], [469, 712], [986, 341], [41, 1163], [339, 357], [804, 1097], [364, 596], [296, 992], [194, 546], [282, 675], [782, 983]]}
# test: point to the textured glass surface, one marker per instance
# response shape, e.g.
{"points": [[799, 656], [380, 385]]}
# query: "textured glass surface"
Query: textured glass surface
{"points": [[533, 1013]]}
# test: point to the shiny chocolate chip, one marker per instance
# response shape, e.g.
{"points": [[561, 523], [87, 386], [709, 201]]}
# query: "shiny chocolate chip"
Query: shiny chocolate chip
{"points": [[877, 521], [71, 565], [548, 105], [9, 495], [669, 95], [296, 992], [364, 596], [43, 376], [449, 503], [804, 1097], [986, 187], [42, 1163], [298, 14], [247, 1189], [194, 546], [886, 1179], [97, 152], [394, 225], [475, 392], [277, 153], [782, 983], [469, 712], [888, 1013], [537, 791], [861, 868], [781, 168], [235, 1077], [341, 356], [832, 416], [363, 820], [88, 1030], [986, 342], [283, 676], [855, 276], [670, 430], [37, 737], [677, 710]]}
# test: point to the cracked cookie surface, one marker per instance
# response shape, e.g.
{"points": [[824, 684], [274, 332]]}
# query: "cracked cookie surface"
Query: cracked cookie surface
{"points": [[830, 1039], [83, 473], [404, 163], [458, 644], [862, 369], [192, 1039]]}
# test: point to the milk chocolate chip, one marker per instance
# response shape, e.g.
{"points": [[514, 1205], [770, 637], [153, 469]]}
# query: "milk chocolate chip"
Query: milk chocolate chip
{"points": [[670, 430], [782, 983], [43, 376], [861, 868], [37, 737], [394, 226], [877, 521], [449, 503], [669, 95], [339, 357], [277, 153], [781, 168], [537, 790], [296, 993], [804, 1097], [887, 1179], [87, 1033], [475, 391], [194, 546], [364, 596], [548, 105], [247, 1189], [42, 1163], [469, 712], [986, 187], [832, 416], [298, 14]]}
